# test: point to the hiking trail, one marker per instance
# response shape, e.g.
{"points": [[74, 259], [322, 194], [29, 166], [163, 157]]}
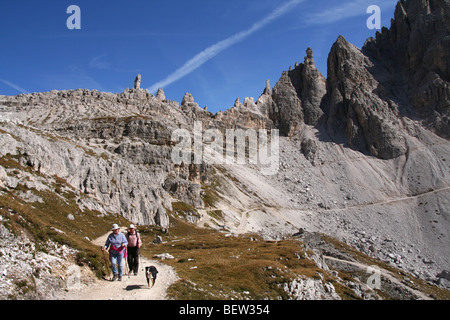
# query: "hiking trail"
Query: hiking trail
{"points": [[131, 287], [387, 274]]}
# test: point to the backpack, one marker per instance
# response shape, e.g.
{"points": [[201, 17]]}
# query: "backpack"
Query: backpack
{"points": [[136, 233]]}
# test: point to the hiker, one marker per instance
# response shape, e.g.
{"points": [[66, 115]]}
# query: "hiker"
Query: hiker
{"points": [[117, 243], [134, 243]]}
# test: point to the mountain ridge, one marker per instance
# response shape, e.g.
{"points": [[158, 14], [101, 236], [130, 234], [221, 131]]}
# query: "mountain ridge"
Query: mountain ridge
{"points": [[364, 154]]}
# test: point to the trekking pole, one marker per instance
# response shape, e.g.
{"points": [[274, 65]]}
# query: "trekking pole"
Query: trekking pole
{"points": [[126, 267], [107, 265], [125, 261]]}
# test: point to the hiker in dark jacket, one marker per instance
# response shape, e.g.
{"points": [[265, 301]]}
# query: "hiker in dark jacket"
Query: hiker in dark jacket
{"points": [[117, 243], [134, 243]]}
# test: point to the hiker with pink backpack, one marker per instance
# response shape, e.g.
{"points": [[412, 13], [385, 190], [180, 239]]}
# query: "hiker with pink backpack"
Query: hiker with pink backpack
{"points": [[117, 243], [134, 243]]}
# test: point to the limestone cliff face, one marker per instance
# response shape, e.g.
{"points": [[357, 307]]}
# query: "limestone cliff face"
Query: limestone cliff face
{"points": [[289, 112], [310, 85], [370, 92], [297, 97], [370, 102], [415, 52], [355, 107], [349, 102]]}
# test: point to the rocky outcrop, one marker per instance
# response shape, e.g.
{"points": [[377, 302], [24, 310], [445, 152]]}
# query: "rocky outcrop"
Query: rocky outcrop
{"points": [[247, 115], [404, 72], [160, 95], [27, 273], [310, 289], [137, 82], [415, 51], [267, 89], [7, 181], [370, 94], [188, 101], [356, 109], [310, 85], [117, 184], [288, 111], [297, 97]]}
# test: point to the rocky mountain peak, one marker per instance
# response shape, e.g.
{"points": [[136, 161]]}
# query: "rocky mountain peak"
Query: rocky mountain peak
{"points": [[237, 103], [357, 110], [160, 95], [267, 89], [309, 60], [188, 100], [289, 112], [415, 55], [298, 96], [137, 82], [404, 71]]}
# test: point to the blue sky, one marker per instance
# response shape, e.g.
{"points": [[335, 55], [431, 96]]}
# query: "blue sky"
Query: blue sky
{"points": [[215, 50]]}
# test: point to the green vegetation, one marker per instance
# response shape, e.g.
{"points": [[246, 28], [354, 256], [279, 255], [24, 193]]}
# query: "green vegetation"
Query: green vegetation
{"points": [[211, 264], [48, 218], [215, 266], [182, 210], [216, 214]]}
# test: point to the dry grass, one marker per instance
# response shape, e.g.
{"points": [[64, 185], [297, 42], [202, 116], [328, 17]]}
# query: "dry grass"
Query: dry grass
{"points": [[413, 282], [211, 265], [215, 266], [45, 220]]}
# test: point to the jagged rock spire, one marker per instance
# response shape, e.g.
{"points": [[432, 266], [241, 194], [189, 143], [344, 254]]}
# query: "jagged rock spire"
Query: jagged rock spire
{"points": [[137, 82], [267, 90], [187, 99], [160, 95], [309, 60]]}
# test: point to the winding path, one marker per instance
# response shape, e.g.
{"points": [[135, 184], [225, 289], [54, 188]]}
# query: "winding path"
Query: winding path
{"points": [[131, 287], [384, 273]]}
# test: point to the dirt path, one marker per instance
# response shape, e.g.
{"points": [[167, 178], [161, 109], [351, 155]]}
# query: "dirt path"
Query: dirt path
{"points": [[385, 274], [131, 287], [242, 228], [393, 200]]}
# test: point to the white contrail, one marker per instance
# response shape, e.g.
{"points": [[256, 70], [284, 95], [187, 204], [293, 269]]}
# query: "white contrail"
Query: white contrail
{"points": [[215, 49], [14, 86], [344, 10]]}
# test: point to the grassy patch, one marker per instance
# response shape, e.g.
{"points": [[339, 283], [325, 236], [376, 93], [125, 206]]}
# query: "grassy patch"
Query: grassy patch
{"points": [[56, 216], [210, 195], [215, 266], [217, 215], [182, 207], [49, 221]]}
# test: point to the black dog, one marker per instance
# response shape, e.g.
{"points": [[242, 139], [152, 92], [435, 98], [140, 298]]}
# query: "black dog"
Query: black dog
{"points": [[150, 274]]}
